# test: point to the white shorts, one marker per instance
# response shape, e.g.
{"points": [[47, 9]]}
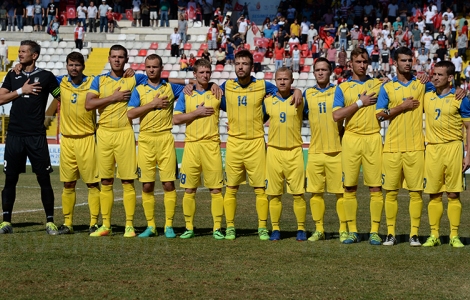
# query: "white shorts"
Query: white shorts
{"points": [[153, 15]]}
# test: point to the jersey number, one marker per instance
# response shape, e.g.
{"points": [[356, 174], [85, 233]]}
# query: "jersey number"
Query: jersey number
{"points": [[241, 100], [283, 117], [183, 178], [74, 98], [322, 107], [438, 113]]}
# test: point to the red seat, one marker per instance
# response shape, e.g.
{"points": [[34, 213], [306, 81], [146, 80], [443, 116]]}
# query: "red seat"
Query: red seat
{"points": [[291, 46], [305, 54], [247, 46], [199, 52], [203, 46], [268, 76], [302, 61], [305, 69], [141, 67], [154, 46], [134, 66], [165, 74], [187, 46], [219, 68], [304, 47], [168, 47], [142, 52]]}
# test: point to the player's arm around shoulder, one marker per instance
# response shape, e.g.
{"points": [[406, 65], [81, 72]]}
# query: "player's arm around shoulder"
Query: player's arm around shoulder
{"points": [[93, 100]]}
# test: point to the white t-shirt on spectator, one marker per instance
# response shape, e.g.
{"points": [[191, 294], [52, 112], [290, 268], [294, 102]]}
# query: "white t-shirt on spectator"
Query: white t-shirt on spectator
{"points": [[136, 5], [429, 15], [175, 38], [426, 40], [242, 27], [457, 61], [81, 12], [296, 55], [303, 28], [92, 11], [30, 10], [3, 50]]}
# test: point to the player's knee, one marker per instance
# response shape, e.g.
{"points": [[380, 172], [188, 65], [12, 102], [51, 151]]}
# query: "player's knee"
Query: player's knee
{"points": [[107, 181], [127, 181], [436, 197], [350, 189], [148, 187], [93, 185], [70, 185], [453, 195], [373, 189], [168, 186], [11, 180], [190, 191], [215, 191], [233, 187]]}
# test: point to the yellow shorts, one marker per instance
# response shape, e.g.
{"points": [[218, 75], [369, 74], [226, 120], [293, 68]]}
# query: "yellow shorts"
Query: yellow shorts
{"points": [[156, 149], [78, 158], [324, 167], [245, 157], [362, 150], [202, 157], [116, 147], [399, 166], [285, 164], [443, 168]]}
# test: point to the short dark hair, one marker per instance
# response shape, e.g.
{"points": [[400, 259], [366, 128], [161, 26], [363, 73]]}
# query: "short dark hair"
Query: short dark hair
{"points": [[244, 53], [450, 67], [75, 56], [284, 69], [118, 48], [155, 57], [402, 50], [35, 47], [202, 63], [322, 59], [359, 51]]}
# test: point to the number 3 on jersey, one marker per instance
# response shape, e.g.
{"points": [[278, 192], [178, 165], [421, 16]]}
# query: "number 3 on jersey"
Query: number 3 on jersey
{"points": [[241, 100]]}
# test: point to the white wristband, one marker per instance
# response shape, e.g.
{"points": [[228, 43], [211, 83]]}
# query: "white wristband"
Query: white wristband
{"points": [[359, 103], [186, 81], [20, 91]]}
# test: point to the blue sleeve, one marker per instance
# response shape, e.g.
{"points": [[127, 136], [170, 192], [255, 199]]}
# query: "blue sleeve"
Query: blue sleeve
{"points": [[270, 88], [95, 84], [181, 103], [382, 100], [339, 98], [429, 87], [305, 112], [140, 79], [223, 103], [59, 78], [177, 89], [135, 99], [465, 108]]}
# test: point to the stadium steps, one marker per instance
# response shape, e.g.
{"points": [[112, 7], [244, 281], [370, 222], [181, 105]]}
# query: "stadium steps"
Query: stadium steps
{"points": [[96, 61]]}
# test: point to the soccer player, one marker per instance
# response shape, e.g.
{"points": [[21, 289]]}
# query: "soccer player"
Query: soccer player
{"points": [[324, 153], [77, 155], [403, 154], [245, 149], [285, 154], [200, 113], [152, 102], [110, 93], [29, 92], [362, 143], [445, 116]]}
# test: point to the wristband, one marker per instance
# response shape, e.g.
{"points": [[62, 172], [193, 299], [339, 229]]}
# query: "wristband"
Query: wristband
{"points": [[359, 103], [186, 81], [20, 91]]}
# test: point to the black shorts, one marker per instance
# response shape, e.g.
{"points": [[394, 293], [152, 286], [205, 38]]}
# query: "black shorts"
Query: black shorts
{"points": [[17, 148]]}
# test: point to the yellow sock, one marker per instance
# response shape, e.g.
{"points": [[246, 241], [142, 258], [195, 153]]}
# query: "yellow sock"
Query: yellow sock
{"points": [[68, 204], [217, 209], [300, 211], [317, 206], [94, 204], [435, 211], [189, 209], [169, 200], [262, 208], [106, 204], [391, 210], [376, 207], [129, 202], [230, 206], [350, 209], [454, 211], [416, 206], [343, 224], [148, 203], [275, 211]]}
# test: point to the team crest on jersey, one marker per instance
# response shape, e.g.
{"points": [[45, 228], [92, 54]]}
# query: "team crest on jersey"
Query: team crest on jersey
{"points": [[414, 87], [369, 85], [208, 96], [329, 94]]}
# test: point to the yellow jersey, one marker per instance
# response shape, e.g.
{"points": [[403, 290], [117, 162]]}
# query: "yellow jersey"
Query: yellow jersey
{"points": [[243, 105], [157, 120], [405, 131], [75, 120], [347, 93], [200, 129], [114, 115], [285, 122], [444, 117], [324, 130]]}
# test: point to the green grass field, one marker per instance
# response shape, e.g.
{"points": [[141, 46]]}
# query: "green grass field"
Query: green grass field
{"points": [[37, 266]]}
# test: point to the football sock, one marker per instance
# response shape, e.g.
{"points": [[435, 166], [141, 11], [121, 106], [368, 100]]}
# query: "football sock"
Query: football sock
{"points": [[275, 211], [189, 209], [376, 207], [435, 211], [230, 206], [350, 208], [148, 203], [94, 204], [68, 204], [217, 209], [169, 200], [129, 202], [317, 206], [343, 224], [454, 211], [47, 196], [416, 206], [106, 204], [300, 211], [262, 208], [9, 195], [391, 210]]}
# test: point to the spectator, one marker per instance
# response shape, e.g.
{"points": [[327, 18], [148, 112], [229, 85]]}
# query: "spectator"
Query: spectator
{"points": [[392, 11], [175, 40], [304, 27], [54, 29], [462, 45], [375, 58], [398, 23], [3, 54], [343, 34], [293, 40], [38, 16], [385, 58], [3, 17], [288, 61], [426, 40], [183, 29], [207, 11], [181, 4], [164, 13], [295, 29], [153, 6], [279, 56], [441, 53], [11, 18], [29, 13], [145, 14], [458, 62], [184, 63], [282, 36], [92, 13], [103, 10], [429, 15], [441, 39], [227, 7], [212, 37], [422, 57], [315, 49], [220, 57], [366, 24], [331, 56], [136, 13], [433, 49], [354, 36], [416, 37], [229, 49], [52, 11], [296, 59], [20, 12], [242, 27], [81, 15], [79, 35], [291, 14], [191, 62], [268, 32], [110, 19], [329, 41], [206, 55], [342, 57], [117, 6], [265, 24], [312, 33]]}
